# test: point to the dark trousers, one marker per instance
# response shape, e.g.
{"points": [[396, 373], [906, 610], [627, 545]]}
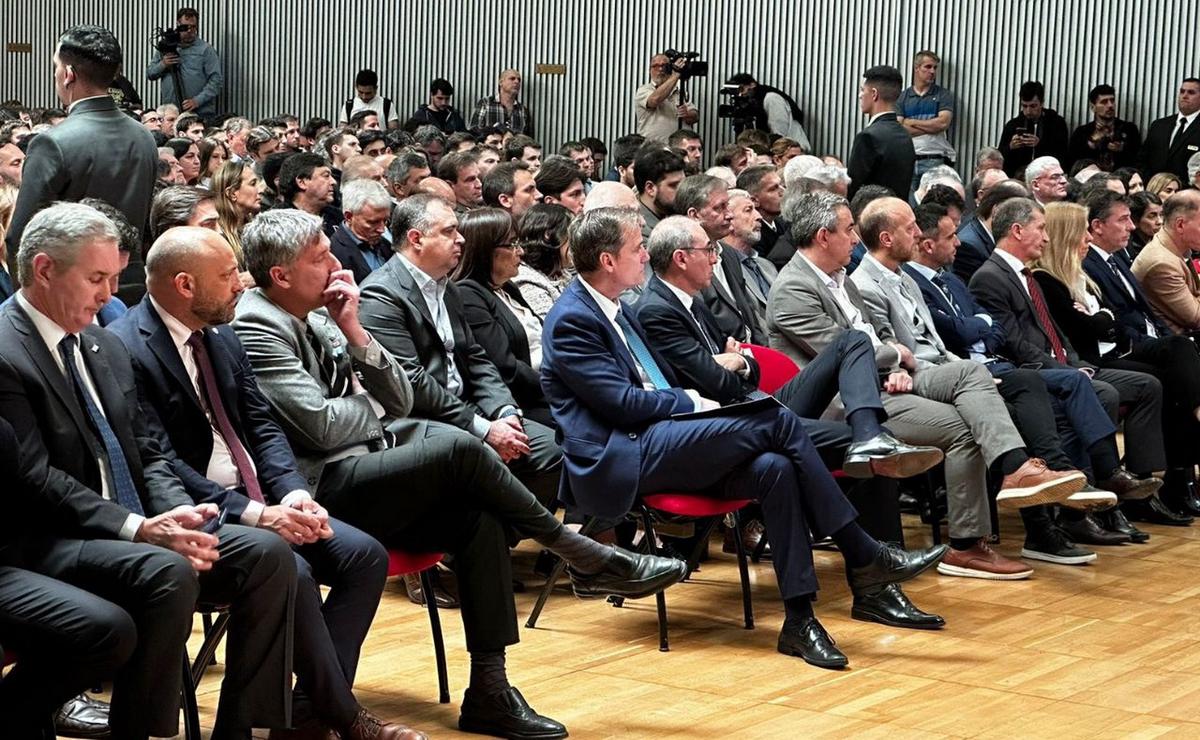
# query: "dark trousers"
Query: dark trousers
{"points": [[442, 490], [541, 469], [846, 366], [329, 634], [67, 639], [764, 456], [1175, 361], [1133, 386]]}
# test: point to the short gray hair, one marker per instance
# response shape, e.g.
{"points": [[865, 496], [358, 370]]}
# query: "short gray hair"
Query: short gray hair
{"points": [[360, 194], [1014, 211], [1193, 168], [599, 231], [829, 175], [811, 212], [414, 213], [1039, 167], [940, 175], [609, 194], [60, 232], [988, 154], [670, 235], [798, 167], [277, 237], [695, 190]]}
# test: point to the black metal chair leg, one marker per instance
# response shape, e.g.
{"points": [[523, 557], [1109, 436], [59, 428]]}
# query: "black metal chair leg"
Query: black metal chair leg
{"points": [[191, 710], [206, 619], [212, 639], [743, 571], [759, 549], [589, 524], [439, 645], [660, 600]]}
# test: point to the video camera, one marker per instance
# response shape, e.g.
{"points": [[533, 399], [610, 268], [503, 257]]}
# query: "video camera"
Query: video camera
{"points": [[692, 67], [739, 110], [167, 40]]}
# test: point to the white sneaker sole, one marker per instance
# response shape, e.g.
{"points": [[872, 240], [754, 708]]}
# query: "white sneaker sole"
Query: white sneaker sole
{"points": [[1091, 500], [1051, 492], [1056, 559], [954, 570]]}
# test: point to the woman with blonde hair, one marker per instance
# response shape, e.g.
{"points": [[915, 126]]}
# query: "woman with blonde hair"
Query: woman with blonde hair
{"points": [[1164, 185], [237, 188]]}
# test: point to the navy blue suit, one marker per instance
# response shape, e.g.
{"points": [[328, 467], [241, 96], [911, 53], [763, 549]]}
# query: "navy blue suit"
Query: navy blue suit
{"points": [[1132, 312], [619, 441], [975, 246], [328, 636]]}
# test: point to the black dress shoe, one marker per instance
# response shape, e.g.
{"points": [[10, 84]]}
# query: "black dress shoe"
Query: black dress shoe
{"points": [[1154, 511], [1129, 487], [1087, 531], [83, 717], [630, 575], [887, 456], [893, 565], [1182, 499], [506, 714], [416, 594], [810, 641], [889, 605], [1114, 520]]}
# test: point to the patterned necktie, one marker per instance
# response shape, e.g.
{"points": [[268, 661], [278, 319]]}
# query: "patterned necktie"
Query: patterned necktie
{"points": [[756, 272], [641, 353], [1043, 315], [336, 381], [212, 395], [122, 480], [1112, 265], [943, 286]]}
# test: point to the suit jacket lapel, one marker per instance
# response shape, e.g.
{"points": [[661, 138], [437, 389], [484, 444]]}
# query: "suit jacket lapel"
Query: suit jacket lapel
{"points": [[109, 394], [623, 352], [162, 344], [405, 279], [39, 353]]}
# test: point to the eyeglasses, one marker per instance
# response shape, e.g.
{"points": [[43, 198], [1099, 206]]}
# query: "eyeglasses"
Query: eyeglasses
{"points": [[514, 246], [714, 250], [1060, 177]]}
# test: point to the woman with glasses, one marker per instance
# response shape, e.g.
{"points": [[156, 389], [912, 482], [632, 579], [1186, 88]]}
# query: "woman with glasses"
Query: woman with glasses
{"points": [[546, 269], [502, 321]]}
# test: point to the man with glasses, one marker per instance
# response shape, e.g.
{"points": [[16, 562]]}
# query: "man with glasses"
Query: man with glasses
{"points": [[1046, 180], [657, 103], [199, 69]]}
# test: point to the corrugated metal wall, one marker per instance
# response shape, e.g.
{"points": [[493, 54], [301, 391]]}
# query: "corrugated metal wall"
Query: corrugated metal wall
{"points": [[300, 56]]}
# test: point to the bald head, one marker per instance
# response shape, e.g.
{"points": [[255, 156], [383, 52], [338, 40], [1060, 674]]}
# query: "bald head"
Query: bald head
{"points": [[1181, 219], [435, 186], [609, 194], [192, 273], [362, 167], [888, 228]]}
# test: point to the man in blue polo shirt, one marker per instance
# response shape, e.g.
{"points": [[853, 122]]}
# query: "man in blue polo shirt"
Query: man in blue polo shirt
{"points": [[926, 110]]}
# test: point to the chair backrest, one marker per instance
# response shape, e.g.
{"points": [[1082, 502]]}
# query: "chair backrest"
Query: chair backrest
{"points": [[775, 368]]}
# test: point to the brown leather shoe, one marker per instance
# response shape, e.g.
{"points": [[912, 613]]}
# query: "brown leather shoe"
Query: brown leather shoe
{"points": [[367, 726], [752, 535], [982, 561], [1033, 483], [416, 594], [1129, 487]]}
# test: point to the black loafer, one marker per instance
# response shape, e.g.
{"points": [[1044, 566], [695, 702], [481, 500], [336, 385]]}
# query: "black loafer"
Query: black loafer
{"points": [[506, 714], [1116, 521], [810, 641], [630, 575], [83, 717], [889, 605], [893, 565], [886, 456]]}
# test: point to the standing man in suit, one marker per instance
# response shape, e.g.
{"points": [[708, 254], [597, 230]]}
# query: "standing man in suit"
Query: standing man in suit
{"points": [[1162, 267], [69, 390], [415, 312], [199, 391], [363, 243], [1005, 287], [1171, 140], [94, 148], [617, 397], [342, 399], [952, 406], [883, 152]]}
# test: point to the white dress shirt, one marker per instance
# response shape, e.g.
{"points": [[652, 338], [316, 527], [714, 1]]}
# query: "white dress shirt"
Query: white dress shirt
{"points": [[1017, 266], [837, 286]]}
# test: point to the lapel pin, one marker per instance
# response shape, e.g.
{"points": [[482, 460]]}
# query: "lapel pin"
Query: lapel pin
{"points": [[95, 348]]}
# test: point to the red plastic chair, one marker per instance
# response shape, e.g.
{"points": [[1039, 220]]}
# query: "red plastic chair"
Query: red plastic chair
{"points": [[775, 368], [402, 563], [705, 508]]}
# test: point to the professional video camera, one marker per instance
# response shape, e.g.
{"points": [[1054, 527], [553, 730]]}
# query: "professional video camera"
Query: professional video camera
{"points": [[167, 40], [691, 68], [739, 110]]}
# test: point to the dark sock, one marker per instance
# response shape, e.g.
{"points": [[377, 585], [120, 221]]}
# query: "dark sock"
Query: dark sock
{"points": [[963, 543], [1104, 458], [487, 672], [1008, 463], [864, 424], [797, 608], [858, 548], [584, 554]]}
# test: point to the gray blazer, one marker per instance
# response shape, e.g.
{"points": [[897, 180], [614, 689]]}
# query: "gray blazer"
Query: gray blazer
{"points": [[872, 281], [803, 317], [319, 427], [99, 152]]}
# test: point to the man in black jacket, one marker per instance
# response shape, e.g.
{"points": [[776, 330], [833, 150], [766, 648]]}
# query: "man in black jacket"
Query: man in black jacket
{"points": [[1106, 139], [1038, 131], [883, 152], [438, 111], [1173, 139]]}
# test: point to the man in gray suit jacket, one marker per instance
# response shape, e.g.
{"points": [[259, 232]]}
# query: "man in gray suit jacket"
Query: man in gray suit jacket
{"points": [[954, 406], [95, 149], [413, 309], [416, 485]]}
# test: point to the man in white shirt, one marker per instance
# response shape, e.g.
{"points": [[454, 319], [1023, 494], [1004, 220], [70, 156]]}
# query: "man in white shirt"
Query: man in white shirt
{"points": [[658, 108]]}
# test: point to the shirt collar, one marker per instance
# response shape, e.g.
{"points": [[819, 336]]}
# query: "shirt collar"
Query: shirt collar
{"points": [[926, 272], [1017, 265], [683, 297], [890, 276], [105, 95], [180, 334], [1103, 255], [608, 307], [424, 281], [50, 332], [1190, 118], [835, 281], [875, 117]]}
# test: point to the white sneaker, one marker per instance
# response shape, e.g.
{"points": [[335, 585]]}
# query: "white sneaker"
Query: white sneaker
{"points": [[1091, 499]]}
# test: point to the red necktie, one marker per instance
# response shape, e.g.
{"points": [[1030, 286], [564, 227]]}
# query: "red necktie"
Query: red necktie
{"points": [[1043, 314], [212, 394]]}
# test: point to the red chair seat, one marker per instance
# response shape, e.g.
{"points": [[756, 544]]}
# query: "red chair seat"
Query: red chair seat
{"points": [[775, 368], [400, 562], [689, 504]]}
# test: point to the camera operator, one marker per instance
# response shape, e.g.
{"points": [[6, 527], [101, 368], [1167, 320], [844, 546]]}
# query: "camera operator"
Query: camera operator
{"points": [[198, 66], [658, 107], [773, 110]]}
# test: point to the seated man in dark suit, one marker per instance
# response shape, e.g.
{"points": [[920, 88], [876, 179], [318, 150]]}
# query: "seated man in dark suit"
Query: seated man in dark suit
{"points": [[969, 331], [679, 326], [1005, 287], [342, 400], [363, 243], [415, 312], [198, 389], [69, 390], [975, 233], [616, 397]]}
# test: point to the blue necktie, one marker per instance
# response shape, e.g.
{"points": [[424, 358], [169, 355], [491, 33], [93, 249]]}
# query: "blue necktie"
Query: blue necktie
{"points": [[641, 353], [122, 481], [756, 272], [943, 286]]}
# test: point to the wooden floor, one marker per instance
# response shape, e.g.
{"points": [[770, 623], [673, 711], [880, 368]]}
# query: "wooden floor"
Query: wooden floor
{"points": [[1106, 650]]}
